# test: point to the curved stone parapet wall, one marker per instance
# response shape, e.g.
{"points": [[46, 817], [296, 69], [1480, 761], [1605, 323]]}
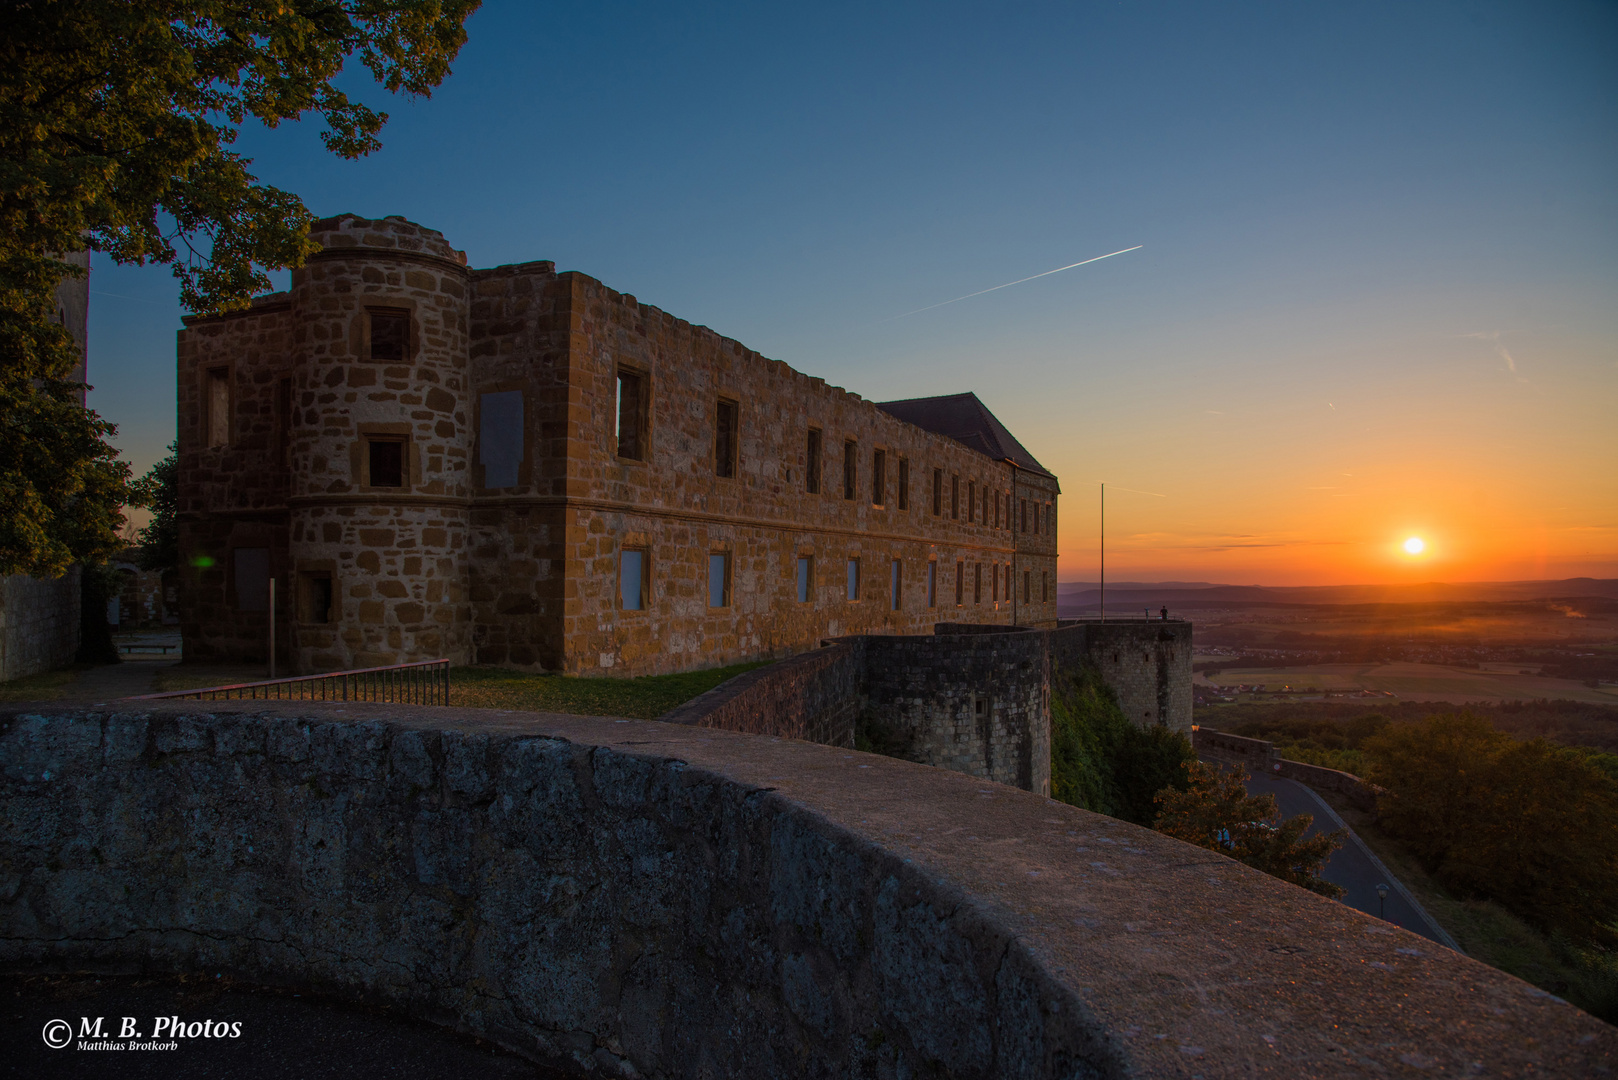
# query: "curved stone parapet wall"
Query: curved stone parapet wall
{"points": [[631, 898], [398, 556]]}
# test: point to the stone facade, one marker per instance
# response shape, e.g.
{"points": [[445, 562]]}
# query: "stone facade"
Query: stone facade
{"points": [[635, 899], [1146, 662], [528, 492]]}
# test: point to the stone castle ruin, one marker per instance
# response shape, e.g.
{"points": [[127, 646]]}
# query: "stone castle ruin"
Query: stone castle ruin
{"points": [[520, 467]]}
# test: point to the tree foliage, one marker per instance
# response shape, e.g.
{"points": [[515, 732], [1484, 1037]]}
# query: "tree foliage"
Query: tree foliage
{"points": [[159, 492], [1216, 812], [1529, 824], [116, 121], [1102, 761]]}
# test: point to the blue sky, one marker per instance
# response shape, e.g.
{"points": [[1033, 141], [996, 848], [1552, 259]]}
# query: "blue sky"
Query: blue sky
{"points": [[1377, 290]]}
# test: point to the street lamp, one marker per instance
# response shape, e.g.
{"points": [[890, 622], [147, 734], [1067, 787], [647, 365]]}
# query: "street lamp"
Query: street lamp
{"points": [[1382, 902]]}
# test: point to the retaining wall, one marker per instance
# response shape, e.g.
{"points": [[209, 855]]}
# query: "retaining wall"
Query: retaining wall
{"points": [[632, 898], [814, 696], [1146, 662], [39, 623], [1260, 755]]}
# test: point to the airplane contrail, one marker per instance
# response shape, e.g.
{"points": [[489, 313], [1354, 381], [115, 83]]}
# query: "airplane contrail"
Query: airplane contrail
{"points": [[1019, 281]]}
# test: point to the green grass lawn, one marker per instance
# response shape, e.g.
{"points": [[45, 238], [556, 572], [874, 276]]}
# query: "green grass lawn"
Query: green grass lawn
{"points": [[42, 687], [646, 697]]}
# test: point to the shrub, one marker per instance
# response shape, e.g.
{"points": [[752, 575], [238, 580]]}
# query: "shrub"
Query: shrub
{"points": [[1102, 761]]}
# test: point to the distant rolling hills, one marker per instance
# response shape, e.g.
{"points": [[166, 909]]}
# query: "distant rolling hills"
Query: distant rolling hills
{"points": [[1072, 596]]}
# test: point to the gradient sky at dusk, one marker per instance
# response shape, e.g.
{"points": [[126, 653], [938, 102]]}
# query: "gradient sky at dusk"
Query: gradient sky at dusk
{"points": [[1377, 295]]}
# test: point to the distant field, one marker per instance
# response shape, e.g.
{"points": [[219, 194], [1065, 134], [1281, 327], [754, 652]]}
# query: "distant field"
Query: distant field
{"points": [[1415, 682]]}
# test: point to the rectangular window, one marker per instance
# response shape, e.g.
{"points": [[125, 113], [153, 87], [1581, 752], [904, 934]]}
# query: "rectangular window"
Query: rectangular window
{"points": [[955, 498], [632, 579], [385, 458], [719, 579], [851, 467], [960, 583], [218, 406], [994, 583], [631, 428], [1036, 519], [997, 509], [314, 597], [938, 492], [252, 578], [971, 501], [853, 580], [806, 574], [904, 484], [977, 583], [893, 585], [812, 455], [390, 334], [932, 584], [726, 430], [879, 477], [1026, 576], [1022, 505], [500, 437]]}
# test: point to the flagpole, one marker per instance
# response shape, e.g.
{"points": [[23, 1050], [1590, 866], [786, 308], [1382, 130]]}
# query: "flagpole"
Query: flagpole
{"points": [[1103, 551]]}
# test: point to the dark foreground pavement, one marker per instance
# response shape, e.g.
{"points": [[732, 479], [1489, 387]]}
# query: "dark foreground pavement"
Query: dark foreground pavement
{"points": [[1352, 866], [282, 1034]]}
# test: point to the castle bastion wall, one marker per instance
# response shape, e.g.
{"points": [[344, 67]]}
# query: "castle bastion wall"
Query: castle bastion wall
{"points": [[632, 898]]}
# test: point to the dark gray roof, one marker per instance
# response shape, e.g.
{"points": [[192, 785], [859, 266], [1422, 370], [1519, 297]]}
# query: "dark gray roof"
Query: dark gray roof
{"points": [[968, 421]]}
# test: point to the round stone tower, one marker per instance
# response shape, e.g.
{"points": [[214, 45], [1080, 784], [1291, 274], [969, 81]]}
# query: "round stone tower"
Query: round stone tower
{"points": [[379, 447]]}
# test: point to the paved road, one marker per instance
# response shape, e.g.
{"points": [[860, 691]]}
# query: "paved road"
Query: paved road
{"points": [[1352, 866]]}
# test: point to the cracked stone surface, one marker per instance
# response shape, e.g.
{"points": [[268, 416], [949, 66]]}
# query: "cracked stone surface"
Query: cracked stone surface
{"points": [[630, 898]]}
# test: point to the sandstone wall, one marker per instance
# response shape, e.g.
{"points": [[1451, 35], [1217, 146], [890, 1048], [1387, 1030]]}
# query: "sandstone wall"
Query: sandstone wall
{"points": [[815, 696], [39, 623], [1146, 662], [629, 898]]}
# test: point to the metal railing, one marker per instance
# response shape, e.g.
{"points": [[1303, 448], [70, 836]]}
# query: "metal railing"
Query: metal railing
{"points": [[424, 682]]}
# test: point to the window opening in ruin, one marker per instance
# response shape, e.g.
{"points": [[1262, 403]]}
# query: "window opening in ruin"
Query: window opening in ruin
{"points": [[500, 437], [812, 456], [977, 583], [938, 492], [632, 573], [851, 468], [719, 579], [218, 406], [806, 568], [252, 572], [879, 477], [853, 580], [932, 584], [893, 585], [960, 583], [631, 429], [1027, 576], [1022, 507], [390, 333], [904, 484], [385, 460], [955, 498], [726, 431], [314, 597], [283, 420]]}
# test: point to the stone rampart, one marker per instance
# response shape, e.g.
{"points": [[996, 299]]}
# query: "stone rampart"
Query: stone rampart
{"points": [[1147, 662], [631, 898], [815, 696], [1261, 756]]}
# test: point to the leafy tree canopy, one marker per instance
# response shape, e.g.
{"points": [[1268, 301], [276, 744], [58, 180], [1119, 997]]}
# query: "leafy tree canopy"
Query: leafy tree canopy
{"points": [[1216, 812], [116, 121], [159, 492]]}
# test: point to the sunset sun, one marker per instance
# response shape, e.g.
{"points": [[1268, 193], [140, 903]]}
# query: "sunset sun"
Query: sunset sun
{"points": [[1414, 546]]}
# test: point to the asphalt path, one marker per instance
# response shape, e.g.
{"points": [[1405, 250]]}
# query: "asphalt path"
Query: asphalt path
{"points": [[1352, 866]]}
